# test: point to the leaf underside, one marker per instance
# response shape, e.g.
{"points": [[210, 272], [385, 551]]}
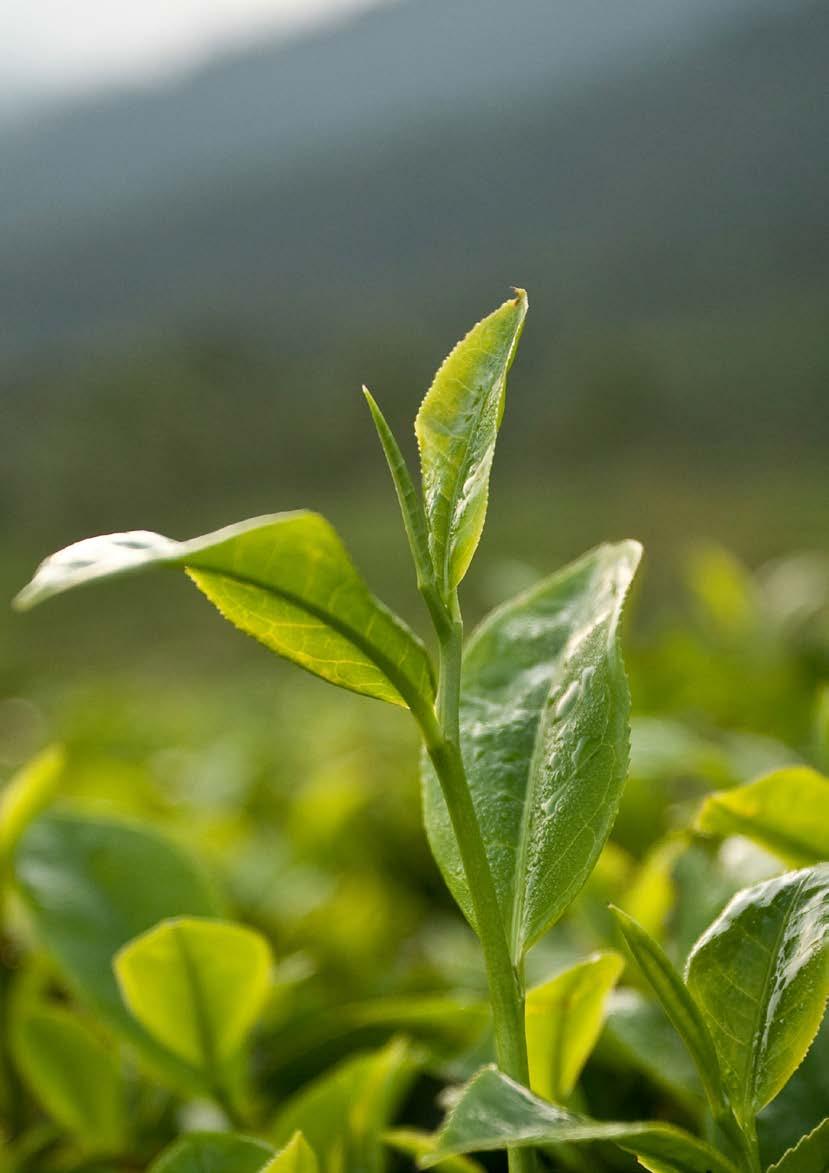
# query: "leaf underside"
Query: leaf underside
{"points": [[545, 737], [285, 579]]}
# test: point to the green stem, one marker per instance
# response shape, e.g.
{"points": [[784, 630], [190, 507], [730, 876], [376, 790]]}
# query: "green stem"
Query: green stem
{"points": [[506, 989]]}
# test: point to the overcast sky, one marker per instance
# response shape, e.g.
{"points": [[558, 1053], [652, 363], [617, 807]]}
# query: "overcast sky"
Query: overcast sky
{"points": [[60, 46]]}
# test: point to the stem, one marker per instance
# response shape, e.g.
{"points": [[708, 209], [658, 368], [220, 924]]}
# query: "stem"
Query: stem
{"points": [[506, 990]]}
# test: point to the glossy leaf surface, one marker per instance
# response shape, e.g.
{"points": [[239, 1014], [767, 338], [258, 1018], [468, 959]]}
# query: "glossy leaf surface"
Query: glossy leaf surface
{"points": [[810, 1155], [493, 1112], [786, 812], [761, 975], [90, 886], [544, 733], [296, 1157], [197, 986], [564, 1019], [73, 1074], [213, 1152], [456, 428], [285, 579], [677, 1002]]}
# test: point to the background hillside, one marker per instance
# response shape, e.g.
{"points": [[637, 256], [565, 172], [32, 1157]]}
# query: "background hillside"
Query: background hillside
{"points": [[196, 278]]}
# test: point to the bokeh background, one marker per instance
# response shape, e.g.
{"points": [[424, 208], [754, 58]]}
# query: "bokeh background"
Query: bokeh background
{"points": [[218, 219]]}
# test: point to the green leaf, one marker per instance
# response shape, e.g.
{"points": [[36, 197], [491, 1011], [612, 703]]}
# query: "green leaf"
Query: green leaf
{"points": [[493, 1112], [287, 580], [90, 886], [73, 1074], [456, 428], [420, 1144], [564, 1019], [25, 795], [787, 813], [810, 1154], [197, 986], [296, 1157], [411, 506], [761, 976], [677, 1002], [345, 1113], [544, 733], [801, 1105], [213, 1152]]}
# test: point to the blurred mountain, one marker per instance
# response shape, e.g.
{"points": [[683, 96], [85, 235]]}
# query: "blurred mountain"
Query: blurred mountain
{"points": [[614, 158]]}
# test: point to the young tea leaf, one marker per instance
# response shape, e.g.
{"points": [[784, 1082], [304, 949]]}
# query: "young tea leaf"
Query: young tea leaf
{"points": [[761, 976], [213, 1152], [564, 1019], [73, 1074], [90, 885], [810, 1154], [544, 734], [456, 428], [286, 580], [296, 1157], [678, 1004], [786, 812], [493, 1112], [420, 1144], [197, 986]]}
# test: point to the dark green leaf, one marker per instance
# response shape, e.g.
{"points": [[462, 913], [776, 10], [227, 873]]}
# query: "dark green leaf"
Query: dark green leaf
{"points": [[285, 579], [457, 427], [91, 885], [544, 732], [197, 986], [493, 1112], [787, 813], [213, 1152], [760, 976]]}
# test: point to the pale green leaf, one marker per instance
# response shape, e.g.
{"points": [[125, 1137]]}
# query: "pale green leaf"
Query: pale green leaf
{"points": [[198, 986], [213, 1152], [420, 1144], [26, 794], [296, 1157], [456, 428], [544, 734], [810, 1154], [786, 812], [287, 580], [493, 1112], [564, 1019], [91, 885], [74, 1075], [678, 1003], [345, 1113], [761, 976]]}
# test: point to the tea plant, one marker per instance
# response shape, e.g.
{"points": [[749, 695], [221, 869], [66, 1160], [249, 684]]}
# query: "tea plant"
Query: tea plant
{"points": [[525, 729]]}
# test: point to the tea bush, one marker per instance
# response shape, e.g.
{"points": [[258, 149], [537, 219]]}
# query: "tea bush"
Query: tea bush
{"points": [[250, 976]]}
